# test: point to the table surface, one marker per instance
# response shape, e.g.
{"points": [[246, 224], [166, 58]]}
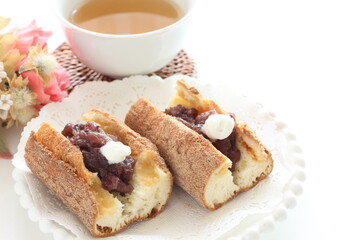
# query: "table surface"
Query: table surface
{"points": [[300, 59]]}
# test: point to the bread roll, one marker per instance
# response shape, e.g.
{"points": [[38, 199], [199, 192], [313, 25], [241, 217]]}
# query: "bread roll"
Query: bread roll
{"points": [[59, 164], [197, 166]]}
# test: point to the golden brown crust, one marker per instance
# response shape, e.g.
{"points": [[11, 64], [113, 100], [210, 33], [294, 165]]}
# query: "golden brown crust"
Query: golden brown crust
{"points": [[172, 139], [63, 180], [63, 149], [190, 97]]}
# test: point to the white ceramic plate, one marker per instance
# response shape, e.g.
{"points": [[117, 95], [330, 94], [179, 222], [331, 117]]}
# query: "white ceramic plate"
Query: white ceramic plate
{"points": [[245, 217]]}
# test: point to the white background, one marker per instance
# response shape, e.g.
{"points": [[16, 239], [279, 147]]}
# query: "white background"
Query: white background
{"points": [[300, 59]]}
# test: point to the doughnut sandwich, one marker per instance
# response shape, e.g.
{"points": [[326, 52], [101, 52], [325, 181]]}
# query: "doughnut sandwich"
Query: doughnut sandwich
{"points": [[106, 187], [211, 154]]}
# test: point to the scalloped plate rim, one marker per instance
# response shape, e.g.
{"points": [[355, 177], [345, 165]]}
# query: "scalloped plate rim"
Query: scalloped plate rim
{"points": [[252, 232]]}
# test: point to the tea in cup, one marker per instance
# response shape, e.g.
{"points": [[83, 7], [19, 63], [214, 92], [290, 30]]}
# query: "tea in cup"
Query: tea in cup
{"points": [[124, 37]]}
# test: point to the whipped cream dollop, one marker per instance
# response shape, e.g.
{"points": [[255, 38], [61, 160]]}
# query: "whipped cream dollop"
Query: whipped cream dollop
{"points": [[218, 126], [115, 152]]}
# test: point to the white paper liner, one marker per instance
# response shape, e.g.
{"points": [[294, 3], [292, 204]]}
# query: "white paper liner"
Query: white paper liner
{"points": [[183, 218]]}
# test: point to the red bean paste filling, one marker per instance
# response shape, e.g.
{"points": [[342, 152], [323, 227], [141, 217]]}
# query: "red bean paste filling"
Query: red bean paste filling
{"points": [[89, 138], [194, 120]]}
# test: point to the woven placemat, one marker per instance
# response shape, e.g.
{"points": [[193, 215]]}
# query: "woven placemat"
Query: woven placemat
{"points": [[80, 73]]}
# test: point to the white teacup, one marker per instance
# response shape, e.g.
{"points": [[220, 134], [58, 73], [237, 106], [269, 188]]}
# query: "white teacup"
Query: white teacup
{"points": [[124, 55]]}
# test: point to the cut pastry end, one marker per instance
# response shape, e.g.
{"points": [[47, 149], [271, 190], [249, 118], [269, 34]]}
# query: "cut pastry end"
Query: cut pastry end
{"points": [[256, 161], [152, 188], [220, 187], [225, 184], [152, 181]]}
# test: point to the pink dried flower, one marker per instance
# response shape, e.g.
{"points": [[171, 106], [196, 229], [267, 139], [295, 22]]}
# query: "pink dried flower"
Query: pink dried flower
{"points": [[41, 61], [33, 76], [58, 84], [29, 36], [54, 91], [37, 86]]}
